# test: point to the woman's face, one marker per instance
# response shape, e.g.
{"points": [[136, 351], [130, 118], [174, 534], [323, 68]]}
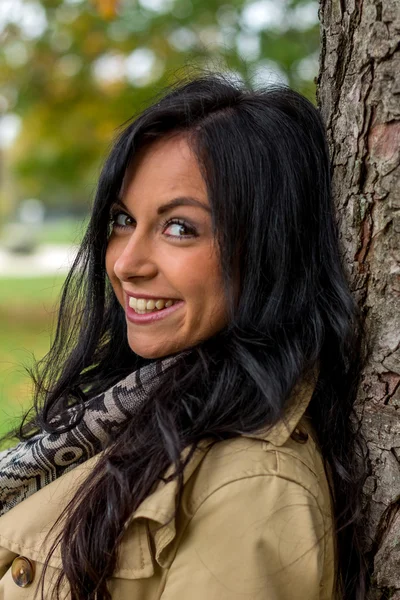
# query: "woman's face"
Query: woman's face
{"points": [[162, 258]]}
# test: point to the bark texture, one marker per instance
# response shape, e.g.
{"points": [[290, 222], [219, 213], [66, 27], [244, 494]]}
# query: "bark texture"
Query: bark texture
{"points": [[359, 97]]}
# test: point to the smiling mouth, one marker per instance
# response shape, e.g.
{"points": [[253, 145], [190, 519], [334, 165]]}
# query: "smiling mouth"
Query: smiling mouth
{"points": [[142, 306]]}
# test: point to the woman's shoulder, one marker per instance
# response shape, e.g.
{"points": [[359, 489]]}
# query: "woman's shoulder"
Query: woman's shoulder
{"points": [[297, 460], [256, 516]]}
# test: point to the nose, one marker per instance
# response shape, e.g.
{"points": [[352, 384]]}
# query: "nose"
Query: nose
{"points": [[135, 258]]}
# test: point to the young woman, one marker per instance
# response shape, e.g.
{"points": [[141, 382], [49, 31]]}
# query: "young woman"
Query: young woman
{"points": [[192, 436]]}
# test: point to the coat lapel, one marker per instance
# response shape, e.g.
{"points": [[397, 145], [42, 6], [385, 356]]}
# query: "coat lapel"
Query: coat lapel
{"points": [[24, 528]]}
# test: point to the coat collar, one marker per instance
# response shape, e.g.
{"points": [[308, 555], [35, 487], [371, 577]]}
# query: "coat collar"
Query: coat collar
{"points": [[294, 410], [23, 529]]}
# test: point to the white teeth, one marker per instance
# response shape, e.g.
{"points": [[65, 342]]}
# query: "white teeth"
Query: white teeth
{"points": [[142, 306]]}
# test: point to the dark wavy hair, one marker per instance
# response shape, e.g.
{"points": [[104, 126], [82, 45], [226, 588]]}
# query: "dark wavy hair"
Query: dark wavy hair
{"points": [[264, 158]]}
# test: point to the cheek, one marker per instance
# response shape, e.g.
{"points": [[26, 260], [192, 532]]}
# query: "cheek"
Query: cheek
{"points": [[200, 280]]}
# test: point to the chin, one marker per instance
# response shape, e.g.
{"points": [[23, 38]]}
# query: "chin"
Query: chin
{"points": [[154, 352]]}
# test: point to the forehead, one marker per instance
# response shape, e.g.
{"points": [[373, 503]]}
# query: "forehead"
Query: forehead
{"points": [[164, 169]]}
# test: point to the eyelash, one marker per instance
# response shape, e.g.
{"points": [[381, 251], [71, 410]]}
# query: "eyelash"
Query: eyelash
{"points": [[173, 221]]}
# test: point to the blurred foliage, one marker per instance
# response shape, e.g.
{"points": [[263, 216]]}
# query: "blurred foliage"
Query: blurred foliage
{"points": [[75, 70]]}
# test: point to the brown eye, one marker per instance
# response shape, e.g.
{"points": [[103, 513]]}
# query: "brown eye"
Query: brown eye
{"points": [[179, 229], [121, 220], [176, 230]]}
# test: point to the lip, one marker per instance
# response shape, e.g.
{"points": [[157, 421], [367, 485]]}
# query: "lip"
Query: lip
{"points": [[149, 318]]}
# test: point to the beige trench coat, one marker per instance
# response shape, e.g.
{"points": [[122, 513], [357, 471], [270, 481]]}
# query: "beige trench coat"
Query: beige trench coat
{"points": [[254, 523]]}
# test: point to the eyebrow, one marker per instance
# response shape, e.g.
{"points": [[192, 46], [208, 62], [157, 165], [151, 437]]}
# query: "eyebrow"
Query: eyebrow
{"points": [[180, 201]]}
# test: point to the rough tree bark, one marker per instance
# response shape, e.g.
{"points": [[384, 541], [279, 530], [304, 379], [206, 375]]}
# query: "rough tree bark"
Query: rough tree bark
{"points": [[359, 97]]}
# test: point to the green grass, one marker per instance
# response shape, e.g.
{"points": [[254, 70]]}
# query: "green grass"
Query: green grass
{"points": [[34, 292], [27, 313], [20, 344], [28, 308]]}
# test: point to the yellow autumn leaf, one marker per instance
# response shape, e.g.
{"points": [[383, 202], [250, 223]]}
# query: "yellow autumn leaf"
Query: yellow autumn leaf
{"points": [[106, 8]]}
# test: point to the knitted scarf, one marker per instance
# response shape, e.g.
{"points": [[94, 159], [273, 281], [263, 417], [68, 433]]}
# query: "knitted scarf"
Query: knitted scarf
{"points": [[34, 463]]}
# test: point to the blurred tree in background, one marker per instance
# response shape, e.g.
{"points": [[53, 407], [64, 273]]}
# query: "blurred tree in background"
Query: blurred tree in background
{"points": [[72, 71]]}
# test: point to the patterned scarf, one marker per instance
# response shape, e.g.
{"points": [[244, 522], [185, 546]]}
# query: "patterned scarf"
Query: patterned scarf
{"points": [[34, 463]]}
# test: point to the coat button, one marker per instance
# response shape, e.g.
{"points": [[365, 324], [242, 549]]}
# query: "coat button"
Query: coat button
{"points": [[22, 571]]}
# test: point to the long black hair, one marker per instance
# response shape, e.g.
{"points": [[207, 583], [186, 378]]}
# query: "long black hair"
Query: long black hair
{"points": [[264, 157]]}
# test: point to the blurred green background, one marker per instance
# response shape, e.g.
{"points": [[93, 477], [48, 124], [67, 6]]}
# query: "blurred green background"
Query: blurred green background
{"points": [[73, 71]]}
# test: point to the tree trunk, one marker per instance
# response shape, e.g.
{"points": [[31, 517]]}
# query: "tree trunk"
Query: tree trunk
{"points": [[359, 98]]}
